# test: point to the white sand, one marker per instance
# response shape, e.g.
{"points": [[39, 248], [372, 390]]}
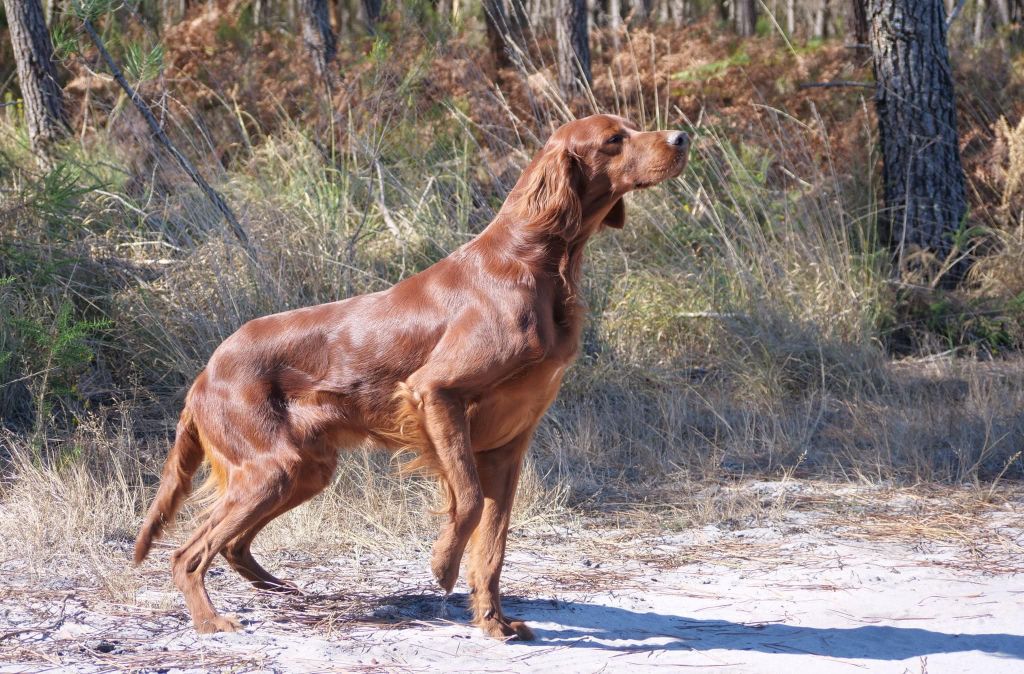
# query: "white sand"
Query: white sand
{"points": [[800, 595]]}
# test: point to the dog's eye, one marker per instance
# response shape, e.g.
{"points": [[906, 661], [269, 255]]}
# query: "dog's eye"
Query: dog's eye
{"points": [[614, 140]]}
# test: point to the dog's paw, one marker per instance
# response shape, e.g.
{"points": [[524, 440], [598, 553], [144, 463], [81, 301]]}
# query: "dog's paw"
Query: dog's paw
{"points": [[444, 563], [503, 628], [278, 586], [446, 571], [218, 623]]}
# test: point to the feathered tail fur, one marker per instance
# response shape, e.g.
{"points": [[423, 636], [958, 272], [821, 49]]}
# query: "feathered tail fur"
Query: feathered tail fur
{"points": [[175, 484]]}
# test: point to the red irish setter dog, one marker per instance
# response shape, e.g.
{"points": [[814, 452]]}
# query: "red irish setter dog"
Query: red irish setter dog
{"points": [[457, 363]]}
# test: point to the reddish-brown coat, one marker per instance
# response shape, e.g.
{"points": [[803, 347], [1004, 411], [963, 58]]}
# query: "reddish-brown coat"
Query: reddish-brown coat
{"points": [[457, 363]]}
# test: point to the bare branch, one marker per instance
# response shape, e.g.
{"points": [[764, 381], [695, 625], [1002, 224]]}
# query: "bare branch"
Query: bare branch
{"points": [[186, 165]]}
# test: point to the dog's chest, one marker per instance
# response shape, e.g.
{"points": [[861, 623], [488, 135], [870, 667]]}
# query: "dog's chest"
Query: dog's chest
{"points": [[516, 405]]}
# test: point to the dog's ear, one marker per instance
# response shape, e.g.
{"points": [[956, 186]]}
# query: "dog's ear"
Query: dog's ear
{"points": [[616, 217], [550, 190]]}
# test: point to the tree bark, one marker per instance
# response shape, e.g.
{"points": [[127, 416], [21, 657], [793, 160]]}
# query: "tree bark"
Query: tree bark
{"points": [[319, 39], [859, 21], [746, 17], [573, 47], [980, 8], [790, 17], [923, 178], [615, 14], [372, 9], [496, 20], [821, 16], [50, 10], [172, 11], [37, 75], [678, 12]]}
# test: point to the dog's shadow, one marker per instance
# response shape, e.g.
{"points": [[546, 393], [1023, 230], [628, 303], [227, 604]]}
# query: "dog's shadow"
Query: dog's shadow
{"points": [[622, 630]]}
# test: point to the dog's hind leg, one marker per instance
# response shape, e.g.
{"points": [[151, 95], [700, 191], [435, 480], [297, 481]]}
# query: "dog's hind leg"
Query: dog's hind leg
{"points": [[239, 556], [499, 474], [238, 553], [246, 502]]}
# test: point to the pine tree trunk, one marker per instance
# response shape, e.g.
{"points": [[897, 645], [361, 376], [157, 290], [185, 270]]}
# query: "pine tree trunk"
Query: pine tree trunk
{"points": [[615, 15], [859, 19], [319, 38], [573, 46], [496, 20], [923, 178], [51, 9], [37, 76], [746, 17], [678, 12], [980, 8], [821, 16], [372, 9]]}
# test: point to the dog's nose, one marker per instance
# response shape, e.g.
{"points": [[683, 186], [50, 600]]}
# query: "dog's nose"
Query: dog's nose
{"points": [[679, 139]]}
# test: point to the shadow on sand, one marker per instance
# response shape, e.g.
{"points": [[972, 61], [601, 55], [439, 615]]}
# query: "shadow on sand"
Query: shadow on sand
{"points": [[616, 629]]}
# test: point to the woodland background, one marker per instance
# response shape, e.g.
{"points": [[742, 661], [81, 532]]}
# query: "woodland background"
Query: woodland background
{"points": [[756, 317]]}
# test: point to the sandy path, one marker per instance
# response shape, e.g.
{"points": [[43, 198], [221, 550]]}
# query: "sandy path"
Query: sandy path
{"points": [[800, 595]]}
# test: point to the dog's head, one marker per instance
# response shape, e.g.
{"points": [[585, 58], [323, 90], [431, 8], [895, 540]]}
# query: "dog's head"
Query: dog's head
{"points": [[580, 176]]}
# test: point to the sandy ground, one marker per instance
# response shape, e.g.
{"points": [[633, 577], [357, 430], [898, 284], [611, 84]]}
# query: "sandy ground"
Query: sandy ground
{"points": [[845, 582]]}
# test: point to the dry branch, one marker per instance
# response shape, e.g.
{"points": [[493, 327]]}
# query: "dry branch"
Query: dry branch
{"points": [[215, 198]]}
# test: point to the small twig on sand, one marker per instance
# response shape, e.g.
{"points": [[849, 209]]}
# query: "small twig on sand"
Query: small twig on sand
{"points": [[186, 165], [45, 629]]}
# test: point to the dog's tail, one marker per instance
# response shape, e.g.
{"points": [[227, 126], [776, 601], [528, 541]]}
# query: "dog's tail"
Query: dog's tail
{"points": [[175, 484]]}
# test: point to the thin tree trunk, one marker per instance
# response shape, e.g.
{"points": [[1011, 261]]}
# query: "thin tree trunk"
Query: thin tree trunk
{"points": [[980, 6], [172, 11], [615, 15], [372, 9], [678, 12], [859, 21], [746, 17], [319, 39], [821, 16], [573, 46], [1003, 10], [922, 174], [496, 21], [50, 10], [790, 17], [37, 76]]}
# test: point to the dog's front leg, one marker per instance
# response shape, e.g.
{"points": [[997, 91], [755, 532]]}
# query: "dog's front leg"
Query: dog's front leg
{"points": [[499, 474], [444, 416]]}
